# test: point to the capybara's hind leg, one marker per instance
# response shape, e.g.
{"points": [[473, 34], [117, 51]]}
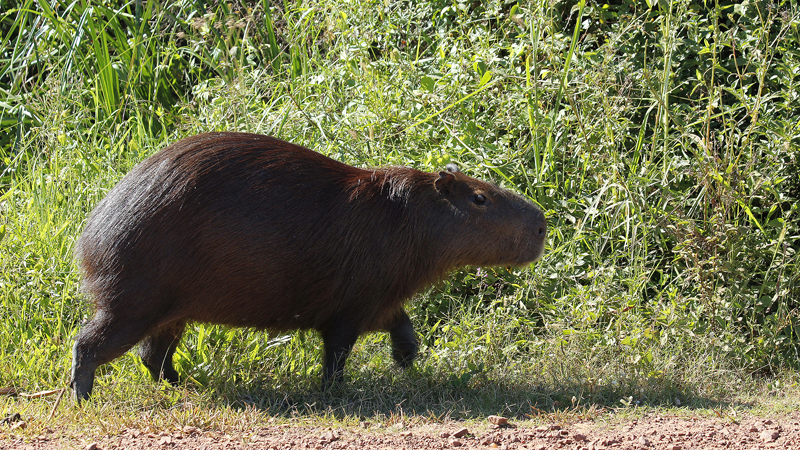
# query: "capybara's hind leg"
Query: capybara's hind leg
{"points": [[404, 340], [101, 340], [156, 351]]}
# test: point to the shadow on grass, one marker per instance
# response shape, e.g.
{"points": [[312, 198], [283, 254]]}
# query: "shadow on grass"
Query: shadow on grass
{"points": [[396, 395]]}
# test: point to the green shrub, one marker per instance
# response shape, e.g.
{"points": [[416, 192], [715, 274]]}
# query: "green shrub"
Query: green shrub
{"points": [[660, 137]]}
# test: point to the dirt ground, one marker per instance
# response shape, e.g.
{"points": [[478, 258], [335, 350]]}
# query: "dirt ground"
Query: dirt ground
{"points": [[654, 432]]}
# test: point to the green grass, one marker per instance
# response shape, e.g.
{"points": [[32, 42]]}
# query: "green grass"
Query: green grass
{"points": [[663, 146]]}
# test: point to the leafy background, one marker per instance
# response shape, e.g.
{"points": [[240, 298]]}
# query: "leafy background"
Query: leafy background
{"points": [[661, 138]]}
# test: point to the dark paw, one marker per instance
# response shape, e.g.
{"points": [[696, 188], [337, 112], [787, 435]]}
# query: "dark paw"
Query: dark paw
{"points": [[82, 388], [404, 354], [167, 373]]}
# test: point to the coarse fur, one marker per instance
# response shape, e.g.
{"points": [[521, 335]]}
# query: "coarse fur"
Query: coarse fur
{"points": [[248, 230]]}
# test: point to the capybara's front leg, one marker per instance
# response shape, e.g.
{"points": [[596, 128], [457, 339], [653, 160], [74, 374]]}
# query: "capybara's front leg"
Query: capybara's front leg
{"points": [[404, 340], [339, 340]]}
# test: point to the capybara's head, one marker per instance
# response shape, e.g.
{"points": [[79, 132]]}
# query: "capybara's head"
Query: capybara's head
{"points": [[496, 226]]}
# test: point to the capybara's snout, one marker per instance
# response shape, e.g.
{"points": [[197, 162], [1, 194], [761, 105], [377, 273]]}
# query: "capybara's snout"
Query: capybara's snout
{"points": [[537, 235]]}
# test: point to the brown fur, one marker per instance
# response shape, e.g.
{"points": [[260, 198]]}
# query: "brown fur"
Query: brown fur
{"points": [[247, 230]]}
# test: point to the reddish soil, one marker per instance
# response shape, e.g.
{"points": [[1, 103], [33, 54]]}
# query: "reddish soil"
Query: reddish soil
{"points": [[651, 433]]}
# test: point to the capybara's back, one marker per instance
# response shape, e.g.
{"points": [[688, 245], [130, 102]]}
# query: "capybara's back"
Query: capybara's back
{"points": [[248, 230]]}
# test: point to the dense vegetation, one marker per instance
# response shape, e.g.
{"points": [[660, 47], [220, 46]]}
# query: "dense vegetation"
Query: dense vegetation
{"points": [[660, 137]]}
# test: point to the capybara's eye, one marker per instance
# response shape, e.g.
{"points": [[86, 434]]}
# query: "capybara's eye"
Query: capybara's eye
{"points": [[480, 199]]}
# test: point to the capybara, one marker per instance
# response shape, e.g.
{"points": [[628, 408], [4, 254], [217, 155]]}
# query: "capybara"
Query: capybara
{"points": [[248, 230]]}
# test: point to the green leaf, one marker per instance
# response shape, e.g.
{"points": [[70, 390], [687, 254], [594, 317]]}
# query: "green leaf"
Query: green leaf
{"points": [[480, 67], [487, 76], [428, 83]]}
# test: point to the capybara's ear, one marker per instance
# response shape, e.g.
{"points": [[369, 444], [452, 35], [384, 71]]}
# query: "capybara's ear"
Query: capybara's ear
{"points": [[445, 182]]}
